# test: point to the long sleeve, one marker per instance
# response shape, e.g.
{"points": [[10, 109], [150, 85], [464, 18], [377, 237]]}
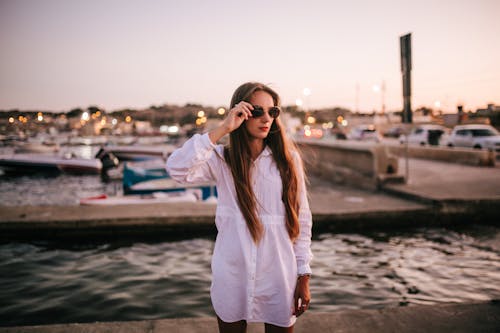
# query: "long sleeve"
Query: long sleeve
{"points": [[302, 245], [190, 164]]}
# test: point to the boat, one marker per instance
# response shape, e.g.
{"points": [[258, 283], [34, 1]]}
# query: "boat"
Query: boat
{"points": [[37, 147], [169, 185], [138, 153], [152, 198], [150, 176], [24, 163], [136, 172]]}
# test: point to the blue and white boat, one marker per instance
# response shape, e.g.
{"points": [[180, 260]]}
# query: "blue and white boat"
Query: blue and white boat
{"points": [[151, 176]]}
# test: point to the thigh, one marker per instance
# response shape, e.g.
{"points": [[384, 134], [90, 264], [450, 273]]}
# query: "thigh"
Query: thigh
{"points": [[236, 327], [270, 328]]}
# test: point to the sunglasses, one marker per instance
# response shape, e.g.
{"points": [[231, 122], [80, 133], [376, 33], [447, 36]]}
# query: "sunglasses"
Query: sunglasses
{"points": [[258, 111]]}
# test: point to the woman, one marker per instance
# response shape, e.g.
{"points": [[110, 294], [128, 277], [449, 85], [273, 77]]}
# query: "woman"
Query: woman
{"points": [[260, 264]]}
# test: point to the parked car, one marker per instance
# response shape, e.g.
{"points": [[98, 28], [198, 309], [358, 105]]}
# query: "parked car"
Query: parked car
{"points": [[475, 136], [394, 132], [364, 133], [424, 135]]}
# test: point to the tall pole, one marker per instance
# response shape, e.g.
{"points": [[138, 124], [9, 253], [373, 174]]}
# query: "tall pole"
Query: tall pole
{"points": [[405, 42]]}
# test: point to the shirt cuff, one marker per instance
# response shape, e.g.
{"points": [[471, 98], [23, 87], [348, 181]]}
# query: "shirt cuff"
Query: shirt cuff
{"points": [[304, 269], [207, 143]]}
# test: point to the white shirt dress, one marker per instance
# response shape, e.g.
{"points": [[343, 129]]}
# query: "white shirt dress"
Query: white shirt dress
{"points": [[252, 282]]}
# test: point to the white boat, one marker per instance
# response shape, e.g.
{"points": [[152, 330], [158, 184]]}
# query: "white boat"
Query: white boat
{"points": [[23, 163], [36, 147], [138, 153], [156, 197]]}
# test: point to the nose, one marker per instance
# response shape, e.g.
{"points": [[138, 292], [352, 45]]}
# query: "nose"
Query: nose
{"points": [[266, 117]]}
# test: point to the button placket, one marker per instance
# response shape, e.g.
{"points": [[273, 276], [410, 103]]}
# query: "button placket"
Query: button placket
{"points": [[251, 283]]}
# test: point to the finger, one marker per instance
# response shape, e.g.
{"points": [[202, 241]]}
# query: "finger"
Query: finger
{"points": [[244, 108], [239, 112], [298, 304]]}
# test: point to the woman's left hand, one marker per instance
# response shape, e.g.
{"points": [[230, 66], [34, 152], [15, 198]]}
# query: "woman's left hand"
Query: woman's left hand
{"points": [[302, 296]]}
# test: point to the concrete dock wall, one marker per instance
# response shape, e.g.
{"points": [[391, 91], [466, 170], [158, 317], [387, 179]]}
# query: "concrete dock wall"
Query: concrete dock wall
{"points": [[474, 157], [475, 317], [352, 163]]}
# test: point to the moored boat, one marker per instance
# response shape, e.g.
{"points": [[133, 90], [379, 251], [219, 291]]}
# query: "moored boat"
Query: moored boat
{"points": [[138, 153], [156, 197], [169, 185]]}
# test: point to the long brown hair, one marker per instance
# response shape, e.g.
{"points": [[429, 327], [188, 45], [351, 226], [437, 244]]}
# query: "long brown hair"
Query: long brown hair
{"points": [[238, 157]]}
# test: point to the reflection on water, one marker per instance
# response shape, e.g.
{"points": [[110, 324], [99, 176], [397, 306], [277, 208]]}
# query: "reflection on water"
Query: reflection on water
{"points": [[47, 283]]}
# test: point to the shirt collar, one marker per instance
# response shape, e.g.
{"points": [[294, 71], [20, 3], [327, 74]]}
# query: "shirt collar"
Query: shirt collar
{"points": [[267, 151]]}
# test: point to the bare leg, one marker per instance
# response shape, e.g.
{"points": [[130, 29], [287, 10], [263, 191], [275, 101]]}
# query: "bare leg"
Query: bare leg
{"points": [[270, 328], [236, 327]]}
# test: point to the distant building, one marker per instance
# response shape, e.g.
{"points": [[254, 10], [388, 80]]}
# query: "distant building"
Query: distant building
{"points": [[490, 110]]}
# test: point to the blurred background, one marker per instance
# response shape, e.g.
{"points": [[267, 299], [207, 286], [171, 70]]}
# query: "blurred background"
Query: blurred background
{"points": [[94, 96]]}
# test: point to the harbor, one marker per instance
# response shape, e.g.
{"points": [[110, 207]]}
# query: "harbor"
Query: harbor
{"points": [[442, 204], [389, 110]]}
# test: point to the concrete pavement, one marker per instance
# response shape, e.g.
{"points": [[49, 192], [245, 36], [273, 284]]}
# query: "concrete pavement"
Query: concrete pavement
{"points": [[437, 193], [457, 318]]}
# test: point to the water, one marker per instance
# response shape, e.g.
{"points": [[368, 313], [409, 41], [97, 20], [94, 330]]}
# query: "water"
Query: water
{"points": [[46, 283], [64, 190], [41, 189]]}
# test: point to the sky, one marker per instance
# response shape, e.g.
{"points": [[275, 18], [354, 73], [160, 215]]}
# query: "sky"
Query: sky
{"points": [[61, 54]]}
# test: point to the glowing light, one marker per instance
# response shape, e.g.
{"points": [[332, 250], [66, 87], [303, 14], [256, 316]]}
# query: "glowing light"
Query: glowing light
{"points": [[198, 121], [327, 125], [103, 121], [20, 118], [173, 129], [98, 114], [201, 114], [114, 121], [39, 118], [307, 133], [128, 119], [311, 120], [340, 119], [307, 91], [221, 111], [11, 120], [203, 120], [344, 122], [437, 104], [85, 116], [299, 102]]}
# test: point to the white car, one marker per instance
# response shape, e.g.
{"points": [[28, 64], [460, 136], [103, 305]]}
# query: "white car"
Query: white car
{"points": [[475, 136], [424, 135], [364, 133]]}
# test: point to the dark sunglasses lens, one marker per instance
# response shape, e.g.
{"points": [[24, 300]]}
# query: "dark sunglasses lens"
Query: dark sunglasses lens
{"points": [[274, 112], [257, 111]]}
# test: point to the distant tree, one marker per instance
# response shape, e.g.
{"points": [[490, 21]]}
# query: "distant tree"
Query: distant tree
{"points": [[425, 111], [77, 112], [94, 109], [193, 105]]}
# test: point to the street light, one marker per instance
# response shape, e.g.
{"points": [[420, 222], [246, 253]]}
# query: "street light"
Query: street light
{"points": [[380, 89]]}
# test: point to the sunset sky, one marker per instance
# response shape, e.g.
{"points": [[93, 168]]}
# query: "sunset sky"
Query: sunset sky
{"points": [[61, 54]]}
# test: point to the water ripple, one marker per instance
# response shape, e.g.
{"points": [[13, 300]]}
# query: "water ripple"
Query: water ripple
{"points": [[49, 283]]}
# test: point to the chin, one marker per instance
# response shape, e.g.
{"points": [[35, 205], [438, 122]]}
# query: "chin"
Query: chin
{"points": [[261, 135]]}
